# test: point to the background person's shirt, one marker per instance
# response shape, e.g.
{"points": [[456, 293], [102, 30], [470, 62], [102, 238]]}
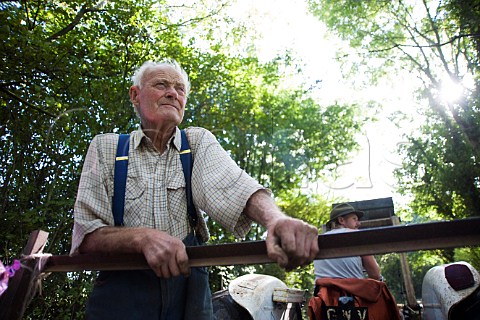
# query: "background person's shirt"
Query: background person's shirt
{"points": [[348, 267]]}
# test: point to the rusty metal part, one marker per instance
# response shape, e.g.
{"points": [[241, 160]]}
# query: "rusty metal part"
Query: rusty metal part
{"points": [[425, 236]]}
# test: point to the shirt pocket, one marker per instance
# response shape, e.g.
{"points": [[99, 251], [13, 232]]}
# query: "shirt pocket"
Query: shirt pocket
{"points": [[177, 198], [136, 206]]}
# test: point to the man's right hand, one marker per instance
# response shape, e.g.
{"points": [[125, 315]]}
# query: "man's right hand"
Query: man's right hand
{"points": [[166, 255]]}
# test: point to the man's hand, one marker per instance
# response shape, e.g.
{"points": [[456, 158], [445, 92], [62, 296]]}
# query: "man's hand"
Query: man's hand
{"points": [[292, 242], [166, 255]]}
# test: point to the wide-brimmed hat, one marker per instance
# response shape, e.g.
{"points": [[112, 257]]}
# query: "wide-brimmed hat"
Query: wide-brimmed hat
{"points": [[344, 209]]}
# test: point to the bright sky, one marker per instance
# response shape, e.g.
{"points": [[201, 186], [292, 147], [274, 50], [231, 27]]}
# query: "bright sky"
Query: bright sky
{"points": [[280, 25], [285, 24]]}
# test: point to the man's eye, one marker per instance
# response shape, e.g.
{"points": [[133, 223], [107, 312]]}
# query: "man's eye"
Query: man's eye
{"points": [[181, 89]]}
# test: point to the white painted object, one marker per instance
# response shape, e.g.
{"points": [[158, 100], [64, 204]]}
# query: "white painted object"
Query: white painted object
{"points": [[437, 294], [264, 297]]}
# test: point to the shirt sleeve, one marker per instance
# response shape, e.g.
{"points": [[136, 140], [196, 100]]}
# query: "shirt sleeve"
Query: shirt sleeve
{"points": [[220, 187], [92, 208]]}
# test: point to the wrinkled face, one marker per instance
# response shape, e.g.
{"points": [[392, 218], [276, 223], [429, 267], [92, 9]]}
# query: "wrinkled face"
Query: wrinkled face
{"points": [[161, 99], [349, 221]]}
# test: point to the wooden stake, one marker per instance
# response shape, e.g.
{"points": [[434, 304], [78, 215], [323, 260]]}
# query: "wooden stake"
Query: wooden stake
{"points": [[13, 302]]}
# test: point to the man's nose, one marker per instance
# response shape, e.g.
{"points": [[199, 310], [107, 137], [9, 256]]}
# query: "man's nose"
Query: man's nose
{"points": [[171, 92]]}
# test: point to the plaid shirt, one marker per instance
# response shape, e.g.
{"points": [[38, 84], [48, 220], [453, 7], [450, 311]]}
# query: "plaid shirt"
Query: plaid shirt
{"points": [[155, 191]]}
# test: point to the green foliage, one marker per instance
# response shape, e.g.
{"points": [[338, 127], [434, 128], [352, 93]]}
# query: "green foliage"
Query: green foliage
{"points": [[363, 23], [418, 262], [376, 28], [470, 255], [63, 296], [442, 174]]}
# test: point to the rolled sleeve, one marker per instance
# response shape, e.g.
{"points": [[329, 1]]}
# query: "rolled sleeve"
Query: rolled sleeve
{"points": [[92, 208], [220, 187]]}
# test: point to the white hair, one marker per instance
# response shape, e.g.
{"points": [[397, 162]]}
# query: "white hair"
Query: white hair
{"points": [[148, 65]]}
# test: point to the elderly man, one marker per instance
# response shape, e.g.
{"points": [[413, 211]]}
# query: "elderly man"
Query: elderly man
{"points": [[156, 222]]}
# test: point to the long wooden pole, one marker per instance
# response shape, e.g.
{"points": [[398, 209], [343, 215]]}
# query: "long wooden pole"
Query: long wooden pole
{"points": [[425, 236], [406, 274]]}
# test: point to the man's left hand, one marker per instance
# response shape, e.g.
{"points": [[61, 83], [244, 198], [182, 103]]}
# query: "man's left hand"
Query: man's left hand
{"points": [[292, 242]]}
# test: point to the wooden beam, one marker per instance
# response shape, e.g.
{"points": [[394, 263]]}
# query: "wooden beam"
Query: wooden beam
{"points": [[425, 236], [375, 223], [406, 274], [15, 299]]}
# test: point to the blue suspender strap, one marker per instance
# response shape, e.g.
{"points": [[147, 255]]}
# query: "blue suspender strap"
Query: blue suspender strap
{"points": [[187, 164], [120, 178]]}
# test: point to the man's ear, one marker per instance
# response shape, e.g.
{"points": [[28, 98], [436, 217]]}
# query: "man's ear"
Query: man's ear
{"points": [[134, 91]]}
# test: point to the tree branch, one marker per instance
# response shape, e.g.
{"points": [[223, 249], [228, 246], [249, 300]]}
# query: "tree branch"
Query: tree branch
{"points": [[193, 20], [84, 10], [25, 102]]}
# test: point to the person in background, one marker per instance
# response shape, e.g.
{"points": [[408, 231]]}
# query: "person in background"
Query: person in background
{"points": [[341, 281], [156, 222], [344, 218]]}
